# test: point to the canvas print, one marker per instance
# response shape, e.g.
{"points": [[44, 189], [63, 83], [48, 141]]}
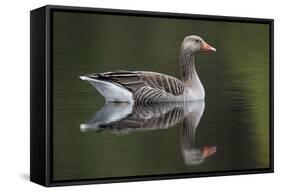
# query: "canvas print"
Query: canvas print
{"points": [[145, 95]]}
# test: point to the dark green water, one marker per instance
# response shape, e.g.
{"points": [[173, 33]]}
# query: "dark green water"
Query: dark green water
{"points": [[235, 120]]}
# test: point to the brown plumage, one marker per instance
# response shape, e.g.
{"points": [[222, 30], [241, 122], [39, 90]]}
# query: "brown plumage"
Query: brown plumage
{"points": [[133, 80], [151, 87]]}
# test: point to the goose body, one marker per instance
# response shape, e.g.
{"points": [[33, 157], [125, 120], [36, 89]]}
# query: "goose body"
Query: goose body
{"points": [[152, 87]]}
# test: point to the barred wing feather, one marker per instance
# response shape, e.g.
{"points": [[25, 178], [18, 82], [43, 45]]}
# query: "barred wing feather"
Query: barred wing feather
{"points": [[134, 80]]}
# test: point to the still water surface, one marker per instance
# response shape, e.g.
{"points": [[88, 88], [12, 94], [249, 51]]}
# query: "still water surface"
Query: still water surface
{"points": [[229, 131]]}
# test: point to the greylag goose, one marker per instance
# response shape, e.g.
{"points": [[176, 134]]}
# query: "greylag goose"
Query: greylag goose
{"points": [[127, 118], [145, 86]]}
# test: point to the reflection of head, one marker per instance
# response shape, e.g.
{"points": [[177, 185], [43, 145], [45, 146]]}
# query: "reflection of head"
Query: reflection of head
{"points": [[192, 154], [196, 156]]}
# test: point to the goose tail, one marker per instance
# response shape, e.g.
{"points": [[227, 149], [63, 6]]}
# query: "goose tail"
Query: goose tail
{"points": [[111, 91], [85, 78]]}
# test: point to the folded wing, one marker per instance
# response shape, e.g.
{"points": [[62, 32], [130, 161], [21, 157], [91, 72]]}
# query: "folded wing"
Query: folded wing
{"points": [[134, 80]]}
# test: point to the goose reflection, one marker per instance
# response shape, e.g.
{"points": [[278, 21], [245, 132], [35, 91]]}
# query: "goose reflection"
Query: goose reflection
{"points": [[126, 118]]}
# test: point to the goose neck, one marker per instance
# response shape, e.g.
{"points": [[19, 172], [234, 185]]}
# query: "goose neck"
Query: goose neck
{"points": [[187, 65]]}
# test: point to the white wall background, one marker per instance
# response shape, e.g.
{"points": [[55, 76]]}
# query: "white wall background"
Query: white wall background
{"points": [[14, 94]]}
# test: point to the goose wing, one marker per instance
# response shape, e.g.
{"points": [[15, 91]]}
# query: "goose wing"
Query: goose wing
{"points": [[133, 80]]}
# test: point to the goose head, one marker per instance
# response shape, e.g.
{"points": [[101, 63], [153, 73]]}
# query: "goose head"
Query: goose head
{"points": [[196, 44]]}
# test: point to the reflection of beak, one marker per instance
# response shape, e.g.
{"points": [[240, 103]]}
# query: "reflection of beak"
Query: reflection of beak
{"points": [[209, 151], [207, 48]]}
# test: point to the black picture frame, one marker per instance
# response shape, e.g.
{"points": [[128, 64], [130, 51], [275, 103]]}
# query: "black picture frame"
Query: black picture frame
{"points": [[41, 100]]}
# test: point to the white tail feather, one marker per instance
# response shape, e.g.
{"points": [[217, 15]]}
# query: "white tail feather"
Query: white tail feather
{"points": [[110, 91]]}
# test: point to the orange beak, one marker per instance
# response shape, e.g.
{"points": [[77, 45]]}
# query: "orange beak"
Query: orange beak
{"points": [[209, 151], [207, 48]]}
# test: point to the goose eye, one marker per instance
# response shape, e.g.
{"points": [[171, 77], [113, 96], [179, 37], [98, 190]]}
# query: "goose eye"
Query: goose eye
{"points": [[197, 41]]}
